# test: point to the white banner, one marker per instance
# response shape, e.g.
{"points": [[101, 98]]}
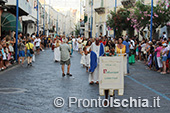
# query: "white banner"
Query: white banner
{"points": [[111, 75]]}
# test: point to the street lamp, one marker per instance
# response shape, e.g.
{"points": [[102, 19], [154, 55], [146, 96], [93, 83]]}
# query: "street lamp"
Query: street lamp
{"points": [[151, 20], [17, 12]]}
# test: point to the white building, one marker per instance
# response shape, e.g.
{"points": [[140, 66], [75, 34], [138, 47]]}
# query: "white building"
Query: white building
{"points": [[71, 21], [98, 13]]}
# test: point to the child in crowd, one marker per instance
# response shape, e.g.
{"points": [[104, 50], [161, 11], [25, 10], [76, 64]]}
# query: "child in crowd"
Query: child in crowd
{"points": [[2, 67], [149, 63], [5, 52], [137, 50], [112, 52], [164, 57], [21, 48]]}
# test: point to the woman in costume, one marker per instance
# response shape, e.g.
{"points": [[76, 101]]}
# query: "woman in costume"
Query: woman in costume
{"points": [[121, 51], [120, 47], [87, 55], [57, 51]]}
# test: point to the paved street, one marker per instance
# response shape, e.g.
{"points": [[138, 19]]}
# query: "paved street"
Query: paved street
{"points": [[42, 83]]}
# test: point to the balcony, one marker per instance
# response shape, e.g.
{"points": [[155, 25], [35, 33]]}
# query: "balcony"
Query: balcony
{"points": [[128, 3], [99, 7]]}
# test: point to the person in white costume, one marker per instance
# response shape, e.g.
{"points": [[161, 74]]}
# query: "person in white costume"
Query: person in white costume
{"points": [[82, 60], [57, 51], [87, 55], [79, 40], [74, 44]]}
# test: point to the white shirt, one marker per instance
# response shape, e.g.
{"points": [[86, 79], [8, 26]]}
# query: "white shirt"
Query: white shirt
{"points": [[143, 45], [168, 48], [73, 40], [96, 49], [33, 36], [164, 36], [37, 41], [132, 44], [79, 42]]}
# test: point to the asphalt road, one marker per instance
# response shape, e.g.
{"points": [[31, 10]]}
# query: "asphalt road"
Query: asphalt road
{"points": [[33, 90]]}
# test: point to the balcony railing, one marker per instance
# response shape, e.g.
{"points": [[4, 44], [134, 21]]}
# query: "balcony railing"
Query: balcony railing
{"points": [[99, 7], [128, 3]]}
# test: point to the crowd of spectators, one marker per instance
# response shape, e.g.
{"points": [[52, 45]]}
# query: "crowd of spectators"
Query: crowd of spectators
{"points": [[8, 48]]}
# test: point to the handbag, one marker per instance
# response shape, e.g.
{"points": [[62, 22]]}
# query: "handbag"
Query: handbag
{"points": [[31, 50]]}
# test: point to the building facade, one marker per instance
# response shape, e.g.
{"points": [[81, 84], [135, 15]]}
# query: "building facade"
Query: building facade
{"points": [[97, 11], [28, 17]]}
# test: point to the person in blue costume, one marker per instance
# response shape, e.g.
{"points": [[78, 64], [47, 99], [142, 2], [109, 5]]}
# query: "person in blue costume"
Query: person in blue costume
{"points": [[97, 50]]}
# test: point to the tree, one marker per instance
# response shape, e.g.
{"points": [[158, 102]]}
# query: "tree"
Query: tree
{"points": [[77, 30], [140, 16], [118, 20]]}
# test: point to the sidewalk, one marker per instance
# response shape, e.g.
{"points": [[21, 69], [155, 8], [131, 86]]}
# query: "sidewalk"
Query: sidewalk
{"points": [[15, 64]]}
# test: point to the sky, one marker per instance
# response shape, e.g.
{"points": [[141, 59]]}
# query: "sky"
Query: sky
{"points": [[64, 4]]}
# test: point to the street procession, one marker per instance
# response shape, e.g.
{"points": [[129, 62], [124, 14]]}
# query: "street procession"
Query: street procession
{"points": [[84, 56]]}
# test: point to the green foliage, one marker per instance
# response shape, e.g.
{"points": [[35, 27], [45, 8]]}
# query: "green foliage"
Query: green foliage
{"points": [[77, 30], [139, 17], [119, 21]]}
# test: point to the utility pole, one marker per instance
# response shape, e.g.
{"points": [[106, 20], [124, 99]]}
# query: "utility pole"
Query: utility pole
{"points": [[151, 20], [91, 19], [37, 17], [115, 12], [44, 19], [48, 18], [16, 48]]}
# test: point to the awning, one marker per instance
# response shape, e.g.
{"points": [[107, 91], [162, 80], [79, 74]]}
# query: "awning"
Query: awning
{"points": [[8, 22]]}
